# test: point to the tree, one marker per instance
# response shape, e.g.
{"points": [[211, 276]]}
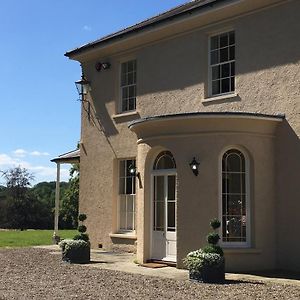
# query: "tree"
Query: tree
{"points": [[20, 203], [69, 207]]}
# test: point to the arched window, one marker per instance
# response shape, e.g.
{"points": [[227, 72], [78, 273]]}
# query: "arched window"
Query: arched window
{"points": [[164, 160], [235, 214]]}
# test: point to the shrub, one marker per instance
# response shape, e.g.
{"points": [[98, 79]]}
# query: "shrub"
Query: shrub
{"points": [[81, 236], [75, 251], [196, 260], [215, 224], [82, 217], [213, 249], [82, 228], [213, 238]]}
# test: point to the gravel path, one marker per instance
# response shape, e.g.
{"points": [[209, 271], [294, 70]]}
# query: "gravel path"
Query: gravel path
{"points": [[30, 273]]}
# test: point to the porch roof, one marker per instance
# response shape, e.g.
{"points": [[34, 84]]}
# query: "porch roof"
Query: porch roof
{"points": [[69, 157]]}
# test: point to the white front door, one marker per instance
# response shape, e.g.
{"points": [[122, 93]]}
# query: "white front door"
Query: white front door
{"points": [[164, 216]]}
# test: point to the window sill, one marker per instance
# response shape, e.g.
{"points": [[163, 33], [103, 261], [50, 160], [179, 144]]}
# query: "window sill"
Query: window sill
{"points": [[130, 236], [121, 117], [241, 251], [231, 97]]}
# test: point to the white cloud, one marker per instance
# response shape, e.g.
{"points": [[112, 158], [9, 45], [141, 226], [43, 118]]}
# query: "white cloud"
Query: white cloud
{"points": [[38, 153], [87, 28], [20, 152], [40, 172]]}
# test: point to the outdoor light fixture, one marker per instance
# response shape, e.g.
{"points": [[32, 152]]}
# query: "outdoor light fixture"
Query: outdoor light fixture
{"points": [[100, 65], [133, 172], [82, 86], [194, 164]]}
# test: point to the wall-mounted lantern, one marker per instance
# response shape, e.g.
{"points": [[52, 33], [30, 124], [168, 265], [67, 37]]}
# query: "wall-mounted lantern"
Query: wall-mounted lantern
{"points": [[133, 172], [83, 86], [194, 164]]}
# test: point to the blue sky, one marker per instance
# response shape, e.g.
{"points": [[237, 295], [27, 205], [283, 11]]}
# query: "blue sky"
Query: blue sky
{"points": [[39, 112]]}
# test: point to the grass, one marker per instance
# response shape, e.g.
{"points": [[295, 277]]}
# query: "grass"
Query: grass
{"points": [[27, 238]]}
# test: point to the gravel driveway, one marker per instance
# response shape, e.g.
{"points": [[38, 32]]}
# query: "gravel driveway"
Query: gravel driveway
{"points": [[30, 273]]}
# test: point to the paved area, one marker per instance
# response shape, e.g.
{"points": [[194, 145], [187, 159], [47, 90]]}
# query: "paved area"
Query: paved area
{"points": [[124, 262]]}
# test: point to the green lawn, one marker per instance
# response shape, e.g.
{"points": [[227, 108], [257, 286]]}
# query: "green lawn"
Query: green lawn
{"points": [[26, 238]]}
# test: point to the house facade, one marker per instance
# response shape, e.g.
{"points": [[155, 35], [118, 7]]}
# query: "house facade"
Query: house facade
{"points": [[193, 115]]}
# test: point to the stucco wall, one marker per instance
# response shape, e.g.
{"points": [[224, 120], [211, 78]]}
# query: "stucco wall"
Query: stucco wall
{"points": [[172, 78]]}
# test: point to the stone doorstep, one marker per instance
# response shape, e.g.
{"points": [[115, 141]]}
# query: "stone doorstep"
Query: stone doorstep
{"points": [[124, 262]]}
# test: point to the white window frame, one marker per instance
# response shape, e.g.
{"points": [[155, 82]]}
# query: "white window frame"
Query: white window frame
{"points": [[247, 243], [121, 110], [124, 230], [210, 36]]}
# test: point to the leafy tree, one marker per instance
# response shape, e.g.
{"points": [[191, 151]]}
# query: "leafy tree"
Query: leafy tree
{"points": [[20, 203], [45, 193], [69, 206]]}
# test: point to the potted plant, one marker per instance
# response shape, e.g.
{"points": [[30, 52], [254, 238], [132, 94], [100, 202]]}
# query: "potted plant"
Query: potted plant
{"points": [[78, 249], [207, 264]]}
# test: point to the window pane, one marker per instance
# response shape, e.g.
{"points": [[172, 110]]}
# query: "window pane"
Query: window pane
{"points": [[123, 220], [130, 203], [231, 53], [234, 205], [232, 69], [171, 216], [232, 84], [131, 104], [164, 160], [130, 78], [224, 55], [214, 57], [223, 40], [131, 93], [171, 187], [234, 229], [125, 92], [225, 85], [159, 187], [234, 163], [214, 42], [130, 223], [216, 87], [130, 66], [225, 70], [215, 72]]}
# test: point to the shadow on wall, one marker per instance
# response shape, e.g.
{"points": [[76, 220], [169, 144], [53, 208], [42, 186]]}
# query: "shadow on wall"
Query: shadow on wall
{"points": [[288, 196]]}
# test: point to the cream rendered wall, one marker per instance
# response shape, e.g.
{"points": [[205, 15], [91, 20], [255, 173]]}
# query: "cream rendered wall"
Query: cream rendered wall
{"points": [[172, 78]]}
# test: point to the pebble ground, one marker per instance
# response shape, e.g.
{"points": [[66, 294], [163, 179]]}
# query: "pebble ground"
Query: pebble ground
{"points": [[30, 273]]}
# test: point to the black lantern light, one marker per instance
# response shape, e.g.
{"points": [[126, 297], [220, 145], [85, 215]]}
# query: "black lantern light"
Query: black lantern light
{"points": [[194, 164], [82, 86]]}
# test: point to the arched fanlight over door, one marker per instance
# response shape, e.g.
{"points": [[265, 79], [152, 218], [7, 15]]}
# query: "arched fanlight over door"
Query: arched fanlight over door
{"points": [[164, 160]]}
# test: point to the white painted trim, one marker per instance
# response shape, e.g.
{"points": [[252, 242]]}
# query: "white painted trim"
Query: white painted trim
{"points": [[130, 236], [132, 113], [226, 96], [246, 244]]}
